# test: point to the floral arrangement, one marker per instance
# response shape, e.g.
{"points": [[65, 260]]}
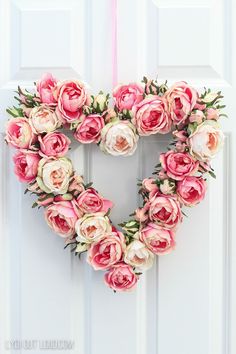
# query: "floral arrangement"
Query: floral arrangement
{"points": [[76, 211]]}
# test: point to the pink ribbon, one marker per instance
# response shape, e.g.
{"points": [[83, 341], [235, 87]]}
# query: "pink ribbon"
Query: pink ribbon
{"points": [[114, 42]]}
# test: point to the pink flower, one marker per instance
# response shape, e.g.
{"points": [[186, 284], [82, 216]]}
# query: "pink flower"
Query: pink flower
{"points": [[121, 277], [61, 217], [181, 135], [196, 116], [181, 100], [89, 129], [191, 190], [158, 239], [126, 96], [165, 210], [141, 214], [71, 97], [178, 164], [19, 133], [212, 113], [76, 185], [54, 144], [45, 88], [200, 105], [151, 116], [90, 201], [26, 165], [149, 185], [107, 251]]}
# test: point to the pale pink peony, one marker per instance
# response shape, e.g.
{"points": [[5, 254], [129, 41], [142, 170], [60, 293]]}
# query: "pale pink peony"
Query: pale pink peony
{"points": [[19, 133], [178, 165], [89, 129], [26, 165], [45, 87], [212, 114], [151, 116], [54, 144], [126, 96], [165, 210], [61, 217], [121, 277], [90, 201], [191, 190], [71, 97], [158, 239], [181, 100], [107, 251], [149, 185]]}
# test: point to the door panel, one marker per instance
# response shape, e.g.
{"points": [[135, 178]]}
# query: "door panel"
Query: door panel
{"points": [[186, 303]]}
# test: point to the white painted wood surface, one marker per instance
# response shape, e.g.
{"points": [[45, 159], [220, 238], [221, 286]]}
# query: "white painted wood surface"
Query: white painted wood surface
{"points": [[187, 303]]}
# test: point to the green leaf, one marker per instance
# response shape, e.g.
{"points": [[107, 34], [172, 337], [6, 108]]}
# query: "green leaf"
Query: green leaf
{"points": [[211, 173]]}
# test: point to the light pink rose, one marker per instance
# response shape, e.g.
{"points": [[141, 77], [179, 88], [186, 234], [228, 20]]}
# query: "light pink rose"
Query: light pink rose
{"points": [[180, 147], [90, 201], [151, 116], [61, 217], [76, 185], [196, 116], [141, 214], [34, 188], [71, 97], [89, 129], [177, 165], [165, 210], [45, 87], [26, 165], [109, 115], [26, 110], [181, 135], [149, 185], [158, 239], [19, 133], [181, 100], [121, 277], [107, 251], [54, 144], [191, 190], [126, 96], [212, 113]]}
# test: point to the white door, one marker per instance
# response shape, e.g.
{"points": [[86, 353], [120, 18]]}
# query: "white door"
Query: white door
{"points": [[186, 304]]}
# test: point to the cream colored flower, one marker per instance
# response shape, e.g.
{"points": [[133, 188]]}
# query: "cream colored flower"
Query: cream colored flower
{"points": [[119, 138], [43, 119], [54, 175], [91, 227], [138, 255], [206, 140]]}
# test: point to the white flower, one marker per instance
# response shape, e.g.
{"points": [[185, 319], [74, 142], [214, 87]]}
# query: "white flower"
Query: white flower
{"points": [[138, 255], [206, 140], [54, 175], [119, 138], [167, 186], [81, 248], [43, 119], [211, 96], [91, 227], [100, 102]]}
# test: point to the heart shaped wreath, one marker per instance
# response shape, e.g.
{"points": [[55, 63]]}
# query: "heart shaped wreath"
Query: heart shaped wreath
{"points": [[77, 212]]}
